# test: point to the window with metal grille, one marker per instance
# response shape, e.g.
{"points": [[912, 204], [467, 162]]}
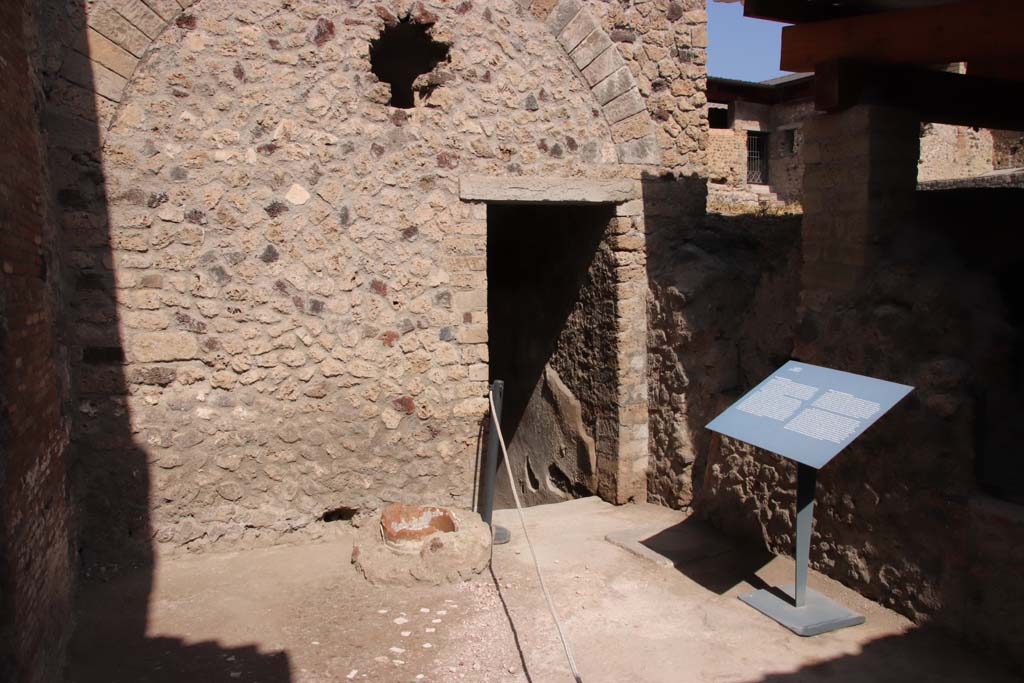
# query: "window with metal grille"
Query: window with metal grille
{"points": [[757, 158]]}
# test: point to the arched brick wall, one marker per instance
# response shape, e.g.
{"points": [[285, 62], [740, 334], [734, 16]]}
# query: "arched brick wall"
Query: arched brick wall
{"points": [[124, 189], [286, 274]]}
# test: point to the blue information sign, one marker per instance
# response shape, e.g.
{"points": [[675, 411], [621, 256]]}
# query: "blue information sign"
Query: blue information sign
{"points": [[808, 413]]}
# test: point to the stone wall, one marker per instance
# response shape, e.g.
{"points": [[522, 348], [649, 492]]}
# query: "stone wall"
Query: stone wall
{"points": [[785, 162], [277, 310], [727, 157], [1008, 149], [954, 152], [947, 152], [721, 319], [785, 166], [36, 565], [664, 43]]}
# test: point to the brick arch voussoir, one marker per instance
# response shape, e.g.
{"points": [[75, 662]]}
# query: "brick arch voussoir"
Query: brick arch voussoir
{"points": [[607, 76], [117, 35]]}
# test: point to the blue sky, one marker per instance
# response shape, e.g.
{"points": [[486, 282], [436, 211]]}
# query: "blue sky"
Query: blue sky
{"points": [[742, 48]]}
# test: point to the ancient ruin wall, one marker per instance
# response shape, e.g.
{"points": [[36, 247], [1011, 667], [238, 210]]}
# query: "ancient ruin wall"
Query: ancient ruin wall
{"points": [[786, 166], [36, 515], [302, 305], [664, 44], [585, 359], [298, 287], [954, 152], [721, 319], [900, 515], [727, 157], [1008, 149]]}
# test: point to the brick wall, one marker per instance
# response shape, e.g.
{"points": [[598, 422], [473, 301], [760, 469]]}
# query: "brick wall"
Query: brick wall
{"points": [[35, 560]]}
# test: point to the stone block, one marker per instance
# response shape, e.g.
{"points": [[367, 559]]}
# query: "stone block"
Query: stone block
{"points": [[623, 106], [88, 74], [634, 207], [561, 14], [633, 241], [470, 301], [156, 347], [545, 190], [167, 9], [615, 85], [141, 16], [643, 151], [109, 54], [603, 66], [472, 407], [634, 414], [635, 127], [581, 26], [591, 48], [472, 334], [542, 8], [120, 31]]}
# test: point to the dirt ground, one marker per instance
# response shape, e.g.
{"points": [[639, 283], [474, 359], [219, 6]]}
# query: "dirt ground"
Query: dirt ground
{"points": [[301, 614]]}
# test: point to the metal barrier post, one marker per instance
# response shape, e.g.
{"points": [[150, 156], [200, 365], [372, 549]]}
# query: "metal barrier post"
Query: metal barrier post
{"points": [[490, 468]]}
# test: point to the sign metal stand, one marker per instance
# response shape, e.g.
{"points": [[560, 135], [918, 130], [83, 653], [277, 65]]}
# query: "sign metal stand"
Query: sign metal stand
{"points": [[803, 611], [807, 414]]}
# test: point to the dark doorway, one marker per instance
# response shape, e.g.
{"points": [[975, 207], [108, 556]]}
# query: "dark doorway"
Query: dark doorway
{"points": [[551, 326]]}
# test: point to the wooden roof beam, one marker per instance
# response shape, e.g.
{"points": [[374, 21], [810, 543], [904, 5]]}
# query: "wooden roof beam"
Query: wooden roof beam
{"points": [[958, 32], [935, 96], [789, 11]]}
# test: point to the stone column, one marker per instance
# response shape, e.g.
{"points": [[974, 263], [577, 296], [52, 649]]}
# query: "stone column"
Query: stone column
{"points": [[628, 244], [860, 175]]}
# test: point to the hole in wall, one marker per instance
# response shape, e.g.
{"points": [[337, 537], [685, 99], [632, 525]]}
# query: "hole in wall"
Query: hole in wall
{"points": [[102, 355], [404, 51], [339, 514]]}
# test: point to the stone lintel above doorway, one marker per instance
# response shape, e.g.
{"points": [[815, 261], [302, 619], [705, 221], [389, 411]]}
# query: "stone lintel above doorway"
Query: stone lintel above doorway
{"points": [[546, 190]]}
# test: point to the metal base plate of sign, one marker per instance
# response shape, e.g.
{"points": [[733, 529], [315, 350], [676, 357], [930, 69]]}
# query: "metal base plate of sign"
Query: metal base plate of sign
{"points": [[818, 615]]}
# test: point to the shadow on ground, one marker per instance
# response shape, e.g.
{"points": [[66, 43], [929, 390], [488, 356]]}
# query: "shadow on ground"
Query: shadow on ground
{"points": [[110, 473], [124, 653], [878, 662], [707, 558]]}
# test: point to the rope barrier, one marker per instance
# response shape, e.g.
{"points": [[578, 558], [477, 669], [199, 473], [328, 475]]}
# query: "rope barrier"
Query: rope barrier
{"points": [[533, 553]]}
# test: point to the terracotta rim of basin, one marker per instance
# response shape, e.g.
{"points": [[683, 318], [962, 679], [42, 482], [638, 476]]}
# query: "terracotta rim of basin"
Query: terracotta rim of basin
{"points": [[405, 527]]}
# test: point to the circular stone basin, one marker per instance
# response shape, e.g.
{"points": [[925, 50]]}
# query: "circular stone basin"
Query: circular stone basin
{"points": [[405, 527]]}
